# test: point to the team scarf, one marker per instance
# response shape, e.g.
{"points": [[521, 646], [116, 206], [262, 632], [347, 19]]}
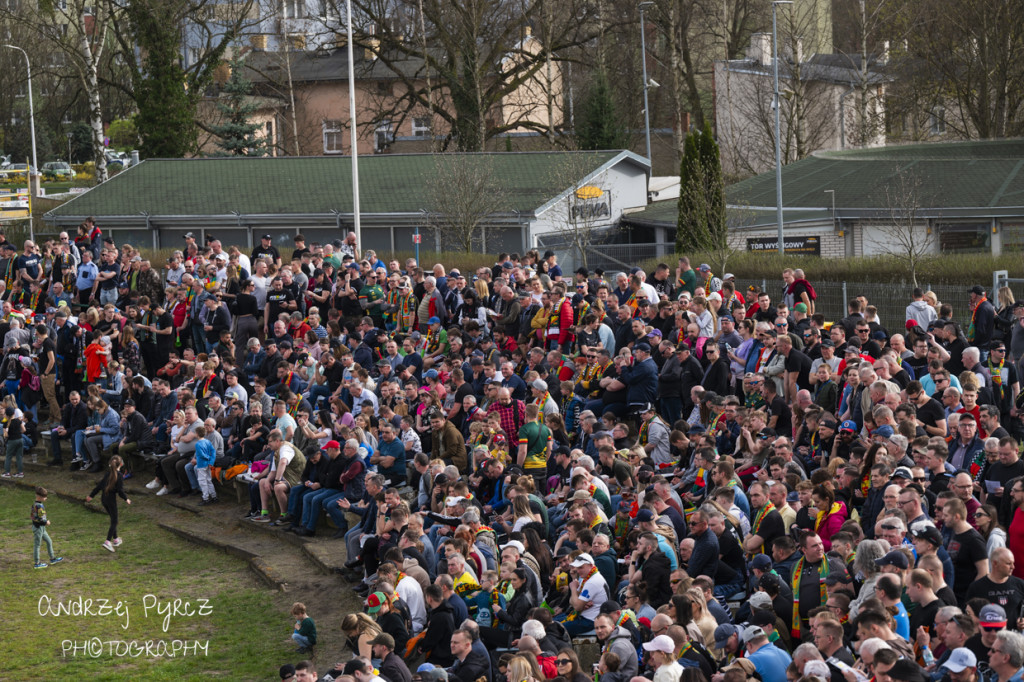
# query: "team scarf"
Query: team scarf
{"points": [[146, 317], [764, 511], [997, 373], [634, 305], [30, 301], [645, 429], [582, 312], [554, 319], [707, 284], [717, 423], [685, 650], [974, 314], [9, 274], [822, 515], [543, 400], [432, 343], [797, 572], [574, 614], [206, 388], [621, 529], [293, 411]]}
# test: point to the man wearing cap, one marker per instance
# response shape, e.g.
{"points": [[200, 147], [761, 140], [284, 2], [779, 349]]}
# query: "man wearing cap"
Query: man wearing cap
{"points": [[769, 660], [649, 564], [542, 398], [314, 493], [962, 665], [1000, 586], [586, 594], [135, 432], [654, 436], [392, 667], [267, 250]]}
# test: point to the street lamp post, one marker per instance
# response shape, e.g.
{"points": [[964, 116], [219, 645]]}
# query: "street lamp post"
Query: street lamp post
{"points": [[643, 63], [31, 112], [353, 133], [778, 142], [833, 193]]}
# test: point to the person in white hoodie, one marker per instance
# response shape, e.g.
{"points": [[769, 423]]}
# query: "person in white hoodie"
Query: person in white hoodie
{"points": [[920, 311]]}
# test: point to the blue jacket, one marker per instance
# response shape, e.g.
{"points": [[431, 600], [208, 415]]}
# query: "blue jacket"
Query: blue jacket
{"points": [[110, 427], [205, 453], [642, 382]]}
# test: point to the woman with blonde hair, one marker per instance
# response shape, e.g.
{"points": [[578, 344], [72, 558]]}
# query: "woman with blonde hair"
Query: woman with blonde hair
{"points": [[523, 669], [360, 630], [701, 616]]}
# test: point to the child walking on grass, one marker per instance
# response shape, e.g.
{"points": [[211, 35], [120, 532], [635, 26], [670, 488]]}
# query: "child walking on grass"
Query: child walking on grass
{"points": [[112, 485], [304, 633], [39, 534]]}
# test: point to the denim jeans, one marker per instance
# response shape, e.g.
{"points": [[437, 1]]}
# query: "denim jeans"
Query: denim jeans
{"points": [[318, 391], [302, 640], [314, 502], [576, 626], [295, 496]]}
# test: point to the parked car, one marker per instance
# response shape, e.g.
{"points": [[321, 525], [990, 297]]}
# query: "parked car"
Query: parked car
{"points": [[116, 160], [58, 170], [13, 171]]}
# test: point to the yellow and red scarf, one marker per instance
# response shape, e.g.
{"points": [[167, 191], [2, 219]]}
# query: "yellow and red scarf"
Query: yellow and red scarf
{"points": [[823, 570]]}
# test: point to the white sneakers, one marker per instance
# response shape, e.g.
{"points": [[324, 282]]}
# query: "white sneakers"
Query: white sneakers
{"points": [[154, 484], [108, 545], [163, 491], [116, 542]]}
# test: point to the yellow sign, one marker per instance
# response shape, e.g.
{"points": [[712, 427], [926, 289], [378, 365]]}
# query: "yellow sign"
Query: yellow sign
{"points": [[589, 192], [15, 204]]}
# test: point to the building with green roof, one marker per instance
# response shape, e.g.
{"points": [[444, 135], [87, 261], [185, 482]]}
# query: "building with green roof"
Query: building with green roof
{"points": [[237, 199], [944, 197]]}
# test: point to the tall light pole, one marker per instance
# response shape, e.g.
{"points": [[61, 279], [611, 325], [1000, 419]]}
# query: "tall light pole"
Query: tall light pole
{"points": [[353, 132], [778, 142], [31, 113], [643, 62], [833, 193]]}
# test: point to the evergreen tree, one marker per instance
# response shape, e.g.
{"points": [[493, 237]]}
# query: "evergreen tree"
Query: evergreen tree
{"points": [[701, 225], [237, 134], [599, 123]]}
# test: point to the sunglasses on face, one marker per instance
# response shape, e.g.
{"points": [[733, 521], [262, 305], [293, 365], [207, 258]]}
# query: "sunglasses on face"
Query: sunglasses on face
{"points": [[563, 661]]}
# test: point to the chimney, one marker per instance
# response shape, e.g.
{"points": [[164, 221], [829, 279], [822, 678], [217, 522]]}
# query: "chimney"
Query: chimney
{"points": [[760, 51]]}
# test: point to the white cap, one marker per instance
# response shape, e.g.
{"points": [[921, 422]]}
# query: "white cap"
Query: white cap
{"points": [[454, 500], [752, 632], [662, 643], [516, 545], [583, 560], [960, 659]]}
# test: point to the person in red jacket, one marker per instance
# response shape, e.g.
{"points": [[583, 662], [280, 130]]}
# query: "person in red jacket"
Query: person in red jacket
{"points": [[558, 330]]}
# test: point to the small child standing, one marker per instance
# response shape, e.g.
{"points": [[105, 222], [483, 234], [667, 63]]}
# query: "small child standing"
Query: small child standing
{"points": [[15, 445], [39, 534], [205, 454], [112, 485], [305, 629]]}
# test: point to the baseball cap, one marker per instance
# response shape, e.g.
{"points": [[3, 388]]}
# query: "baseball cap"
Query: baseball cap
{"points": [[836, 577], [642, 346], [726, 318], [516, 545], [926, 531], [961, 659], [704, 267], [430, 374], [906, 670], [287, 670], [992, 616], [885, 431], [610, 606], [580, 495], [266, 236], [434, 320], [761, 562], [581, 560], [723, 632], [662, 643], [644, 515], [728, 276], [894, 558], [332, 444], [978, 290], [385, 639], [453, 500], [374, 601], [800, 307], [848, 425], [129, 402], [539, 384], [752, 633], [760, 615], [647, 407], [903, 472], [827, 343], [760, 600]]}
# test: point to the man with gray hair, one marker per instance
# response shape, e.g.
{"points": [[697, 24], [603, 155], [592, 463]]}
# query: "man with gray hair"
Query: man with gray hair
{"points": [[1006, 657]]}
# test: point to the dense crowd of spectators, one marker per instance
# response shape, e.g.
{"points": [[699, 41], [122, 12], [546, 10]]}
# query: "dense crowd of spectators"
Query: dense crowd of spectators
{"points": [[714, 484]]}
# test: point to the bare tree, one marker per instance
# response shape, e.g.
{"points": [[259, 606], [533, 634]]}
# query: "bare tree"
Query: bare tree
{"points": [[476, 58], [908, 239], [580, 215], [80, 31], [466, 192]]}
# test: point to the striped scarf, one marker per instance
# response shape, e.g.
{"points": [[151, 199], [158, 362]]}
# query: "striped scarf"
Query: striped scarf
{"points": [[797, 573], [758, 518]]}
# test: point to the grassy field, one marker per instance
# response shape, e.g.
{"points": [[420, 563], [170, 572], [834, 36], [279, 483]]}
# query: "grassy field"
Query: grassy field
{"points": [[244, 627]]}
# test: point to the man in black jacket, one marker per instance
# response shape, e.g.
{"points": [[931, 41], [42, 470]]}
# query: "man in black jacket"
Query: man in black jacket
{"points": [[469, 665], [392, 667], [67, 356], [74, 418], [650, 564], [436, 643], [135, 432]]}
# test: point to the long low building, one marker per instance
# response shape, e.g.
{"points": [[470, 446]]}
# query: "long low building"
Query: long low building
{"points": [[962, 197], [546, 198]]}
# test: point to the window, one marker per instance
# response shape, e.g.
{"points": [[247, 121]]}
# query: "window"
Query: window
{"points": [[383, 87], [334, 133], [294, 9], [421, 126], [937, 121], [296, 41], [383, 136], [965, 237]]}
